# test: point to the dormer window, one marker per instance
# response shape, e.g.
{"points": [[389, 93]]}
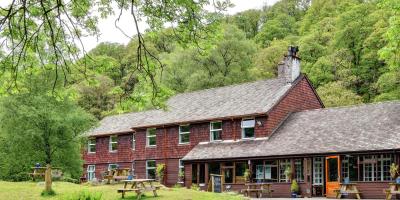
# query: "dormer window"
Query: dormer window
{"points": [[113, 144], [215, 131], [151, 137], [92, 145], [248, 128]]}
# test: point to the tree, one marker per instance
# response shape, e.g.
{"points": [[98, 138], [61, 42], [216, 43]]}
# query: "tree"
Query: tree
{"points": [[228, 60], [389, 82], [38, 127], [335, 94], [51, 30]]}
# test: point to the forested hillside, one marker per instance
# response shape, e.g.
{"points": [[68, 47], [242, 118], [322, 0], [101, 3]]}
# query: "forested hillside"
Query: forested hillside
{"points": [[349, 50]]}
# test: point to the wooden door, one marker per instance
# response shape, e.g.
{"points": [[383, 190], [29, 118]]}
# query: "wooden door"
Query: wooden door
{"points": [[332, 174]]}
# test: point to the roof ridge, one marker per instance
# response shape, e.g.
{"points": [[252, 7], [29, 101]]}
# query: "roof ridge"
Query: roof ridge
{"points": [[227, 86], [349, 106]]}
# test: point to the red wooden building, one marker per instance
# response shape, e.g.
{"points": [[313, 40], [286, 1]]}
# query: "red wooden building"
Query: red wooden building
{"points": [[265, 126]]}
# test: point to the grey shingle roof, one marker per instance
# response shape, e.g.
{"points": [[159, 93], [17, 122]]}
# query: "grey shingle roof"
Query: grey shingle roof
{"points": [[343, 129], [235, 100]]}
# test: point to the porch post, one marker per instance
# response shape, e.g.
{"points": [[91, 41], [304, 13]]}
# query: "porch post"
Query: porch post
{"points": [[188, 175], [206, 175]]}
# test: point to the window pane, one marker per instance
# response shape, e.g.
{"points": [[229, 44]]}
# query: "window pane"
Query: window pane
{"points": [[112, 166], [216, 135], [216, 125], [214, 168], [332, 169], [194, 173], [151, 173], [248, 132], [240, 168], [133, 142], [113, 138], [184, 138], [248, 123], [185, 128], [152, 141], [113, 146], [151, 163], [298, 170], [202, 173], [92, 148], [151, 132]]}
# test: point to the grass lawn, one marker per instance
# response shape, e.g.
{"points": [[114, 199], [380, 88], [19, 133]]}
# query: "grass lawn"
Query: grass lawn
{"points": [[64, 190]]}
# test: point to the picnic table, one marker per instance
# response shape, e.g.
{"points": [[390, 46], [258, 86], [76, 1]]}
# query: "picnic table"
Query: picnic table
{"points": [[117, 174], [347, 188], [138, 186], [393, 190], [41, 171], [258, 188]]}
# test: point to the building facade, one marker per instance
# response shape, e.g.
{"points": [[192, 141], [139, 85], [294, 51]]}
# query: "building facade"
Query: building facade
{"points": [[264, 126]]}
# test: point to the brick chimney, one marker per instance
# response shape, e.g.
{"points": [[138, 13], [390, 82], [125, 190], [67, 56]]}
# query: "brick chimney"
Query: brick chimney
{"points": [[289, 67]]}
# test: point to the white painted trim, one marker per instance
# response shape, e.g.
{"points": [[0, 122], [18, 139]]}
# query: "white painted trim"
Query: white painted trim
{"points": [[181, 133]]}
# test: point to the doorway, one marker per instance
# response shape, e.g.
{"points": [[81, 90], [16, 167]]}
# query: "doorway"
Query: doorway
{"points": [[332, 174]]}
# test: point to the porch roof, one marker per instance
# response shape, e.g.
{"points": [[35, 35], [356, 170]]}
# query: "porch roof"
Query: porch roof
{"points": [[368, 127]]}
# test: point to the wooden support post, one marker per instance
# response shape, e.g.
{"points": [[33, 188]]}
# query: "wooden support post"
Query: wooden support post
{"points": [[47, 178]]}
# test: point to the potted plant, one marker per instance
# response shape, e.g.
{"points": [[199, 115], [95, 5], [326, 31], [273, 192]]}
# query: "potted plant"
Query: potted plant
{"points": [[247, 175], [394, 171], [294, 188]]}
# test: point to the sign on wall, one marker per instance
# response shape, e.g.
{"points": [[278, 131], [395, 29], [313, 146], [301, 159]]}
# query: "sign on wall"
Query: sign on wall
{"points": [[216, 182]]}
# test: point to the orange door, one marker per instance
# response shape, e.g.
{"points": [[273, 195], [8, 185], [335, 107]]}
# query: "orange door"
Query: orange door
{"points": [[332, 172]]}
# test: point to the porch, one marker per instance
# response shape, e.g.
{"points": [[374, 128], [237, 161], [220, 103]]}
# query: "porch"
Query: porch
{"points": [[317, 176]]}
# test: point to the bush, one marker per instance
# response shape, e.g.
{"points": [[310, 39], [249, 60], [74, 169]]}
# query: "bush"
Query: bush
{"points": [[69, 179], [294, 187], [195, 187], [48, 193], [85, 195], [178, 185], [160, 172]]}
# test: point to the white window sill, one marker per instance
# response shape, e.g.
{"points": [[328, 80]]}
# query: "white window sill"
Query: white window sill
{"points": [[91, 152], [249, 138], [182, 144], [113, 151], [152, 146], [216, 141]]}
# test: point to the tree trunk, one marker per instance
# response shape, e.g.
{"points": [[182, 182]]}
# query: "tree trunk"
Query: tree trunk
{"points": [[47, 178]]}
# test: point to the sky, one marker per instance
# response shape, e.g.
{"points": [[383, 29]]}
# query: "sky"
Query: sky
{"points": [[109, 33]]}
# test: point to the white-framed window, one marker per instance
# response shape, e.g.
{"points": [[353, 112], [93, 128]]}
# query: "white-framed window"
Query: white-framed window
{"points": [[151, 137], [150, 169], [298, 170], [181, 167], [384, 162], [133, 141], [184, 133], [369, 168], [283, 165], [91, 172], [92, 145], [248, 128], [112, 166], [113, 144], [318, 174], [215, 131]]}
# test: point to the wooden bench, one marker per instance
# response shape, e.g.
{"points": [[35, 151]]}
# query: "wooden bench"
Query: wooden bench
{"points": [[138, 191], [389, 193], [339, 193], [259, 192], [37, 172]]}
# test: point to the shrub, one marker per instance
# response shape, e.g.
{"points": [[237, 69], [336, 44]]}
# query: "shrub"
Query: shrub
{"points": [[85, 195], [195, 187], [48, 193], [178, 185], [160, 172], [69, 179], [294, 187]]}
